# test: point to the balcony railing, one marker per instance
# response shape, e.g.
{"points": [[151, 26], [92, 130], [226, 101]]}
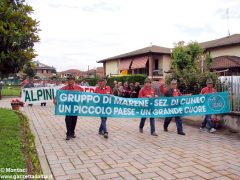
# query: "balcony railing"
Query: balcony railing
{"points": [[158, 72]]}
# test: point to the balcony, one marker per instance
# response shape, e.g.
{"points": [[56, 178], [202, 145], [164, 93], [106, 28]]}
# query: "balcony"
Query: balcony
{"points": [[156, 74]]}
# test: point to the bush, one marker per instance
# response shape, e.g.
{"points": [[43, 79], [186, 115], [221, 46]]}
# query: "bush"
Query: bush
{"points": [[192, 82], [130, 78], [92, 81]]}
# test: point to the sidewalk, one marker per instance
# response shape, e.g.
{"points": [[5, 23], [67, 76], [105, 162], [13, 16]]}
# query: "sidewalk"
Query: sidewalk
{"points": [[127, 154]]}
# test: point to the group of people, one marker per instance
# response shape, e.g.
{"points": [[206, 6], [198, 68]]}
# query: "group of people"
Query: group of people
{"points": [[126, 90], [145, 92]]}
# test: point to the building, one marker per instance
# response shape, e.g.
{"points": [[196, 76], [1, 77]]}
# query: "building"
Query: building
{"points": [[77, 73], [82, 74], [225, 53], [44, 71], [153, 61]]}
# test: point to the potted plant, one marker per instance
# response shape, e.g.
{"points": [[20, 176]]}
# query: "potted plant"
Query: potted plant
{"points": [[16, 104]]}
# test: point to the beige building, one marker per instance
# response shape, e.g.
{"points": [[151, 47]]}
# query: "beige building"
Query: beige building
{"points": [[225, 53], [153, 61]]}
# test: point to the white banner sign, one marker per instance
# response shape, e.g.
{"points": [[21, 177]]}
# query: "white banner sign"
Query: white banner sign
{"points": [[45, 94]]}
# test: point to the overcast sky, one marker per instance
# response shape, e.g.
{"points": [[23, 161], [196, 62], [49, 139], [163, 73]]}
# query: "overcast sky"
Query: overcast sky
{"points": [[77, 33]]}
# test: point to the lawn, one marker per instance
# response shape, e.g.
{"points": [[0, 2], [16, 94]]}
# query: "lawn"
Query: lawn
{"points": [[10, 142], [17, 147], [11, 91]]}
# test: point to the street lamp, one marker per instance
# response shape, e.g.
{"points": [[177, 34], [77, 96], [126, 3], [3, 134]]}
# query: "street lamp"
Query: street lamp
{"points": [[202, 59]]}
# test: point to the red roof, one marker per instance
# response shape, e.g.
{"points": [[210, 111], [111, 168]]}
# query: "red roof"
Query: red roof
{"points": [[225, 41], [222, 62], [72, 71]]}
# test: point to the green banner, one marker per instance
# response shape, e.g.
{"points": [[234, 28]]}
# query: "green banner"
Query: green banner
{"points": [[75, 103]]}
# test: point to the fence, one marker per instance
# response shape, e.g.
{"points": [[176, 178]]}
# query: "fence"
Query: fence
{"points": [[226, 83], [232, 85]]}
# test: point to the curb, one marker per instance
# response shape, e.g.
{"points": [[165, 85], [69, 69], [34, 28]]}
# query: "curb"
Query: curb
{"points": [[41, 154]]}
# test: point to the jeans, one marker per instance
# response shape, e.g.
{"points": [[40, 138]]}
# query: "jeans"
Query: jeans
{"points": [[207, 121], [152, 124], [178, 123], [71, 122], [103, 126]]}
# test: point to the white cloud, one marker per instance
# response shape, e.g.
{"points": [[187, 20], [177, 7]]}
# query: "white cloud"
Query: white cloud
{"points": [[77, 33]]}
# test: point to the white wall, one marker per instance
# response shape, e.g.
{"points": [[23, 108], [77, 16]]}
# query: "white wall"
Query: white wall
{"points": [[223, 51], [112, 67]]}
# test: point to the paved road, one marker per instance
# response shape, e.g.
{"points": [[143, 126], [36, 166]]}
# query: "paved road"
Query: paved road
{"points": [[127, 154]]}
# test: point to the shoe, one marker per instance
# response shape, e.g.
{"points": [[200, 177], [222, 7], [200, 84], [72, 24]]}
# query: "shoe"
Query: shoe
{"points": [[154, 134], [181, 133], [68, 138], [141, 130], [212, 130], [100, 133], [202, 129], [166, 129], [73, 136], [105, 135]]}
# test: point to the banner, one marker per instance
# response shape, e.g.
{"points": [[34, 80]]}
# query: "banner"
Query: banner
{"points": [[90, 104], [45, 94]]}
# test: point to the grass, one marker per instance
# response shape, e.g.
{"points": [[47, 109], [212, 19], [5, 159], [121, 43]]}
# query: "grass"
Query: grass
{"points": [[11, 91], [10, 142], [17, 147]]}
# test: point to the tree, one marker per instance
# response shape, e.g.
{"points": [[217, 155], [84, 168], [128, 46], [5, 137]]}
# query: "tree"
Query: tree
{"points": [[186, 67], [18, 33], [28, 69], [186, 57]]}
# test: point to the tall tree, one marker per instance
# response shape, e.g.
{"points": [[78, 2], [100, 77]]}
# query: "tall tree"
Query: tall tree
{"points": [[18, 33], [186, 67]]}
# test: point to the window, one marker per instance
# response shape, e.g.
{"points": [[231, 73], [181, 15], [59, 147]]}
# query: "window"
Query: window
{"points": [[156, 63]]}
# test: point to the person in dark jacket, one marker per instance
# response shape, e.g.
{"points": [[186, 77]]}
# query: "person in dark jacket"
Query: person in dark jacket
{"points": [[126, 90], [173, 92], [29, 84], [135, 91]]}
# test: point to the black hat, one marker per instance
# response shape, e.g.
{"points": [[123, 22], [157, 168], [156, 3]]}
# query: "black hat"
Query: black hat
{"points": [[70, 77]]}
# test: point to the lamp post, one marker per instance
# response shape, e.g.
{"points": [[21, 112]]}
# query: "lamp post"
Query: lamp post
{"points": [[202, 59]]}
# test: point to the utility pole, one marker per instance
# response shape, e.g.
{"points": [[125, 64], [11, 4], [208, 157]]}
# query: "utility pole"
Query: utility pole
{"points": [[227, 13], [88, 71]]}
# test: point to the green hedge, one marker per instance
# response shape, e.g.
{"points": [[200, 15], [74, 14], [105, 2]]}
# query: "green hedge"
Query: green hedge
{"points": [[130, 78], [92, 81]]}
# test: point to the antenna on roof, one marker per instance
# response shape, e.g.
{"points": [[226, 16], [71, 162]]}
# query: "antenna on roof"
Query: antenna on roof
{"points": [[227, 13]]}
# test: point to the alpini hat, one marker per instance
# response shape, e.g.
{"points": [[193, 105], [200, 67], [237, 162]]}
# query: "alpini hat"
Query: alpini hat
{"points": [[174, 81], [209, 81], [147, 80]]}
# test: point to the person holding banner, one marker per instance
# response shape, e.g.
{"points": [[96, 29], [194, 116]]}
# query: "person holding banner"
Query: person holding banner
{"points": [[208, 117], [173, 92], [43, 84], [29, 84], [147, 92], [71, 121], [103, 89]]}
